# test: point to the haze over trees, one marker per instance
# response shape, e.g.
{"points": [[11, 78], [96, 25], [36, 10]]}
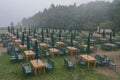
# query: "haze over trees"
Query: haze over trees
{"points": [[84, 16]]}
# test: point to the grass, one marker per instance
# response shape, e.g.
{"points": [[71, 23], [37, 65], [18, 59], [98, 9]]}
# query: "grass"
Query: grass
{"points": [[10, 71], [3, 30], [118, 72]]}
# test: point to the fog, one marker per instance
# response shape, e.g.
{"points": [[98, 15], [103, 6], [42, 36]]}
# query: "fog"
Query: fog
{"points": [[15, 10]]}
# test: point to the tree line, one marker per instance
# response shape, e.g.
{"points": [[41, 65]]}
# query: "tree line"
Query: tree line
{"points": [[85, 16]]}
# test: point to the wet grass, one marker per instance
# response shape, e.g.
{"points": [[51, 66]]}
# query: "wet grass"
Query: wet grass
{"points": [[10, 71]]}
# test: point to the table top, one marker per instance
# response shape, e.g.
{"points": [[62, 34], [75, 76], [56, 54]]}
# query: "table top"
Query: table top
{"points": [[103, 39], [42, 44], [54, 50], [88, 57], [23, 46], [18, 40], [33, 39], [92, 40], [29, 52], [25, 35], [118, 42], [115, 39], [11, 35], [72, 48], [37, 63], [78, 37], [59, 42], [30, 37], [14, 37], [109, 44], [47, 39], [76, 42], [85, 46]]}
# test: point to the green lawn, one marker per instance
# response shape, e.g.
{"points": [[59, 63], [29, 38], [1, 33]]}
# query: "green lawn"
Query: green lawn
{"points": [[10, 71]]}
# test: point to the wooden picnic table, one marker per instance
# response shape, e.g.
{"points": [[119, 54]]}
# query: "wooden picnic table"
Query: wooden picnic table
{"points": [[14, 38], [92, 41], [20, 34], [91, 47], [103, 40], [25, 35], [54, 51], [30, 37], [117, 44], [23, 47], [10, 35], [60, 44], [47, 40], [17, 42], [33, 40], [62, 39], [72, 50], [43, 45], [75, 43], [29, 54], [36, 64], [98, 35], [109, 46], [78, 37], [89, 59]]}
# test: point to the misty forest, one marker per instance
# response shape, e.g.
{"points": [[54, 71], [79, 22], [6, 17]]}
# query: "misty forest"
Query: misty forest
{"points": [[85, 16]]}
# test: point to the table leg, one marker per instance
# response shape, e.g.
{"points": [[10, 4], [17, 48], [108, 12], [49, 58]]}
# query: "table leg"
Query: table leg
{"points": [[26, 58], [35, 71], [94, 64], [75, 52], [43, 70], [32, 56], [53, 55], [58, 54], [71, 53], [88, 64]]}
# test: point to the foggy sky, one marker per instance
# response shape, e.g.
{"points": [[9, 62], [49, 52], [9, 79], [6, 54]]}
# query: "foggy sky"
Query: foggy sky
{"points": [[15, 10]]}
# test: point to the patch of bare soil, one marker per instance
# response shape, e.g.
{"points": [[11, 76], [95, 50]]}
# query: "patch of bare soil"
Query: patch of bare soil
{"points": [[2, 49], [107, 71]]}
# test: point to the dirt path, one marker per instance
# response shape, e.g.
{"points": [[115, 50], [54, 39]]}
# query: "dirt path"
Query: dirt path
{"points": [[2, 49]]}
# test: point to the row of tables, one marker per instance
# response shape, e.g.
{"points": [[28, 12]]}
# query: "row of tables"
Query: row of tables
{"points": [[36, 64], [44, 45], [54, 50], [30, 54], [40, 64]]}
